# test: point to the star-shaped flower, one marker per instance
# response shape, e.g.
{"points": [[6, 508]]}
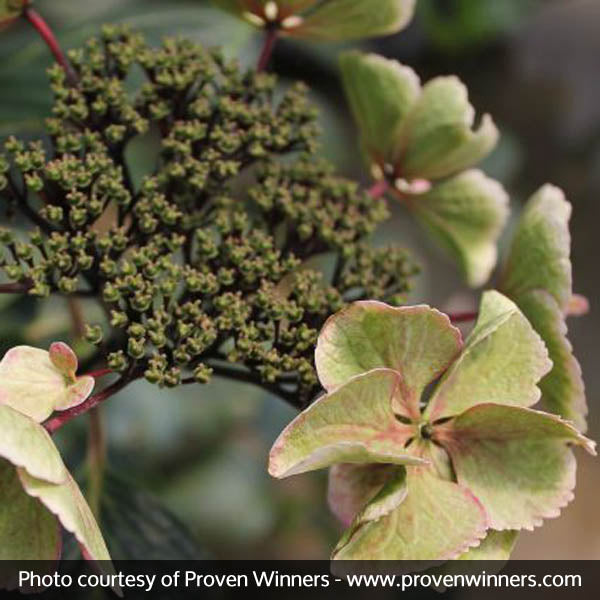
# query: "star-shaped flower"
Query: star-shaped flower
{"points": [[434, 444], [422, 140]]}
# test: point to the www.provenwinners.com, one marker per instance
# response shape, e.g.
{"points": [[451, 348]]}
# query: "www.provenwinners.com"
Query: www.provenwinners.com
{"points": [[276, 579]]}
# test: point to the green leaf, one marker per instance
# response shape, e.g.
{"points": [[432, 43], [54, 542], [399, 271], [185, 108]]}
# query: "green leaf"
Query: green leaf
{"points": [[503, 360], [353, 424], [66, 502], [380, 93], [351, 487], [439, 139], [438, 520], [27, 530], [31, 383], [563, 390], [497, 545], [515, 460], [539, 253], [10, 10], [466, 215], [417, 341], [26, 444], [344, 20]]}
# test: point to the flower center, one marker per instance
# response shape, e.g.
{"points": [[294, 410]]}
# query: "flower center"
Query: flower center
{"points": [[425, 431]]}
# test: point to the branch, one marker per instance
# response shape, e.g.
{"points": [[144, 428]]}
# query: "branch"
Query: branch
{"points": [[99, 373], [46, 33], [14, 288], [245, 376], [55, 423]]}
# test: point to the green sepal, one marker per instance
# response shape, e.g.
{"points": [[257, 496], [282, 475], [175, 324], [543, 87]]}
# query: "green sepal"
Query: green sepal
{"points": [[333, 20], [381, 92], [516, 460], [563, 390], [465, 215], [439, 138], [539, 255], [437, 520], [416, 341], [502, 362], [353, 424], [351, 487], [345, 20], [537, 275], [497, 546]]}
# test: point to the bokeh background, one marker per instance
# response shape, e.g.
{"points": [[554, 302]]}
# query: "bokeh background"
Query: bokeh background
{"points": [[186, 474]]}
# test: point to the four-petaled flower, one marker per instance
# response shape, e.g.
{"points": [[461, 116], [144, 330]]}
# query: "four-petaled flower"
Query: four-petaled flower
{"points": [[329, 20], [422, 140], [433, 444]]}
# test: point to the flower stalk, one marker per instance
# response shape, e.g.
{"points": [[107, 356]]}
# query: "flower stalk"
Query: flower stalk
{"points": [[45, 31]]}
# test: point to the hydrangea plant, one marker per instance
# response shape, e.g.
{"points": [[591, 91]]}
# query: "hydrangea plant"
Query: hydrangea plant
{"points": [[209, 265]]}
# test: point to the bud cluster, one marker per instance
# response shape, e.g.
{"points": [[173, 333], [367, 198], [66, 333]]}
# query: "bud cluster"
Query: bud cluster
{"points": [[194, 269]]}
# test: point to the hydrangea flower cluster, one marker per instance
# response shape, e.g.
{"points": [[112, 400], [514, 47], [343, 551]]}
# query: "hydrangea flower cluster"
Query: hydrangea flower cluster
{"points": [[193, 272]]}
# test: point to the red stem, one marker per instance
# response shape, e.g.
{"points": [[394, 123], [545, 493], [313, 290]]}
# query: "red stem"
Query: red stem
{"points": [[99, 373], [378, 189], [46, 33], [463, 317], [267, 50], [55, 423]]}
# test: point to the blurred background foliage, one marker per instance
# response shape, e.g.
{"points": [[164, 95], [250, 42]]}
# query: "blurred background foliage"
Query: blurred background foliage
{"points": [[186, 475]]}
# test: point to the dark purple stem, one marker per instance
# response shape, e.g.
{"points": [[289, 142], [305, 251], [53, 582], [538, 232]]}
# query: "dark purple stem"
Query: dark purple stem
{"points": [[13, 288]]}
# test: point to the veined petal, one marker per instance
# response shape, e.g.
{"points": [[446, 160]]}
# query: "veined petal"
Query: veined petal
{"points": [[351, 487], [438, 139], [563, 390], [416, 341], [353, 424], [539, 256], [344, 20], [515, 460], [502, 362], [466, 215], [437, 520], [381, 92]]}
